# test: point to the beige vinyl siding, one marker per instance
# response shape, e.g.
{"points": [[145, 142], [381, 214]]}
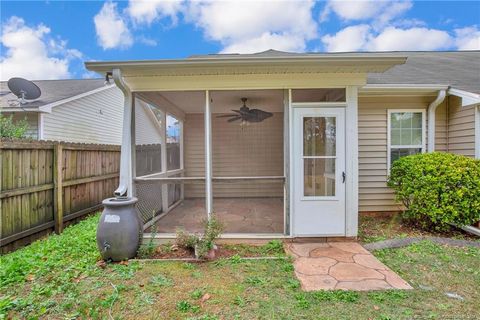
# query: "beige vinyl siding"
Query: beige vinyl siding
{"points": [[257, 150], [30, 117], [461, 128], [374, 195], [96, 118]]}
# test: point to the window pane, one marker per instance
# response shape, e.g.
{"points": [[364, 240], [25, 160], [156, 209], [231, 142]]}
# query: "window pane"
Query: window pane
{"points": [[319, 95], [417, 120], [395, 120], [173, 143], [397, 153], [406, 137], [319, 136], [406, 120], [395, 137], [416, 136], [319, 177]]}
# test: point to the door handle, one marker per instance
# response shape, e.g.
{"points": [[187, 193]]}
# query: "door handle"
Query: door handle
{"points": [[344, 176]]}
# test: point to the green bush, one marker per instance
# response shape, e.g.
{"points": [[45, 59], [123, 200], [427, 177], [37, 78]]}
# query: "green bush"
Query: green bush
{"points": [[11, 129], [437, 189]]}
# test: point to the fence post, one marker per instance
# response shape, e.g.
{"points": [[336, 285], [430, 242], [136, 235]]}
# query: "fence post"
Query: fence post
{"points": [[58, 190]]}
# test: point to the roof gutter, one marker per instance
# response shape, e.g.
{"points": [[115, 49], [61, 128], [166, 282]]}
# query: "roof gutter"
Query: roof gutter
{"points": [[125, 187], [431, 118]]}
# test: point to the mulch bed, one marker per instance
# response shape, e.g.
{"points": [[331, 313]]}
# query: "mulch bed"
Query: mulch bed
{"points": [[182, 253]]}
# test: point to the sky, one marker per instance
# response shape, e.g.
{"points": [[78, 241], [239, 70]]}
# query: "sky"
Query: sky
{"points": [[52, 39]]}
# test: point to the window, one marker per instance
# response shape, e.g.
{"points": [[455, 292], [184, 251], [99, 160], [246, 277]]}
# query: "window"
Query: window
{"points": [[406, 134], [319, 156], [319, 95]]}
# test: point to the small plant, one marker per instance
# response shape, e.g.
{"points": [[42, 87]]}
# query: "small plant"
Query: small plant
{"points": [[337, 296], [161, 281], [201, 244], [12, 129], [184, 306], [196, 294], [437, 189], [292, 284], [146, 251], [302, 301], [274, 247]]}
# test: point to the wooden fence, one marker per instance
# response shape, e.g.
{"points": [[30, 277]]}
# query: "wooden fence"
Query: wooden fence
{"points": [[46, 184]]}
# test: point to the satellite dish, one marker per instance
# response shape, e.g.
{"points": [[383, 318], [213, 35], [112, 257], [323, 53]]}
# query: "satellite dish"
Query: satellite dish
{"points": [[24, 89]]}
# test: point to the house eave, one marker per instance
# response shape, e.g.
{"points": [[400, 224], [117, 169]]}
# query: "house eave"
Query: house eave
{"points": [[257, 65], [401, 89], [468, 98]]}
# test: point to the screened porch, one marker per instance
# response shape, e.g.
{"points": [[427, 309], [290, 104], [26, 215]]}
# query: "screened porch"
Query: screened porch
{"points": [[175, 133]]}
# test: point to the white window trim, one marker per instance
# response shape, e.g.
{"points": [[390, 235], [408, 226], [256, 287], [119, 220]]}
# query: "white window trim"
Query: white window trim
{"points": [[423, 146]]}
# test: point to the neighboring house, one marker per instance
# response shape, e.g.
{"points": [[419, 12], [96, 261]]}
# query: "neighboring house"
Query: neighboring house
{"points": [[86, 111], [337, 121]]}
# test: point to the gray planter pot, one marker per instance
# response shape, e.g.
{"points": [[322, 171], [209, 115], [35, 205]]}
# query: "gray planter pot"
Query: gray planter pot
{"points": [[119, 231]]}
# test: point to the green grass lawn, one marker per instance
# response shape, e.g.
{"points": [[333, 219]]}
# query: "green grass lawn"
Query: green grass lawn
{"points": [[57, 278]]}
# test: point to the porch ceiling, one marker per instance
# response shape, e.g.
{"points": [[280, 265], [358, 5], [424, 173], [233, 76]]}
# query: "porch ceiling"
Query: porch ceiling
{"points": [[222, 101]]}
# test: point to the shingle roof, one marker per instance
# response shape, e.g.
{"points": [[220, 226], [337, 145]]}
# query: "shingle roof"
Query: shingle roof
{"points": [[458, 69], [52, 91]]}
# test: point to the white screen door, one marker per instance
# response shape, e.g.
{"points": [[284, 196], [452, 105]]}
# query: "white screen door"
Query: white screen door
{"points": [[318, 172]]}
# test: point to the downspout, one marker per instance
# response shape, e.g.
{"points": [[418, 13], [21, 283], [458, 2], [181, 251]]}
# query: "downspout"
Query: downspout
{"points": [[432, 108], [125, 186]]}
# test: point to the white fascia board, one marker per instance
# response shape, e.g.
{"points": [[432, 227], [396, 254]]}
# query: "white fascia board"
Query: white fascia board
{"points": [[18, 109], [401, 89], [468, 98], [48, 107]]}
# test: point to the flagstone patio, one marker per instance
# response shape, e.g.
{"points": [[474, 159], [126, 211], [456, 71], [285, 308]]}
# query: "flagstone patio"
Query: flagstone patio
{"points": [[341, 266]]}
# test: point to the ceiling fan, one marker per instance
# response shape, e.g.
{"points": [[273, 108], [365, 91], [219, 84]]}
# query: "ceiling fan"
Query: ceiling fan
{"points": [[245, 114]]}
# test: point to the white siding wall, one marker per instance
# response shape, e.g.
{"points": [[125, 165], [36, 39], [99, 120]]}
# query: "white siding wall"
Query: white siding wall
{"points": [[32, 119], [374, 195], [146, 130], [96, 118]]}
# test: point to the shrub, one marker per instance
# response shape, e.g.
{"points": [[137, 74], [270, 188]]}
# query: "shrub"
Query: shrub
{"points": [[11, 129], [202, 244], [437, 189]]}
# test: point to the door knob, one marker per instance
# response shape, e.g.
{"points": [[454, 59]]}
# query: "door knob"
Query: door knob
{"points": [[344, 176]]}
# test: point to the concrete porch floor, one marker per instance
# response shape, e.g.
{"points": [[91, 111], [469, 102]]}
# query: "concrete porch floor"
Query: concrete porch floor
{"points": [[239, 215], [341, 266]]}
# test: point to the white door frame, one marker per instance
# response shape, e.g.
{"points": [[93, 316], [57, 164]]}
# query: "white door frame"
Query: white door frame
{"points": [[351, 155]]}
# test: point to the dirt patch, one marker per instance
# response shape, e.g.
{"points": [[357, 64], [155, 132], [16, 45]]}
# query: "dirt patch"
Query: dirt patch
{"points": [[168, 251], [378, 226]]}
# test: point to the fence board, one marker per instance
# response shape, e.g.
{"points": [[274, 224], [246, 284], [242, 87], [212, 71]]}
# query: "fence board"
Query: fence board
{"points": [[87, 174]]}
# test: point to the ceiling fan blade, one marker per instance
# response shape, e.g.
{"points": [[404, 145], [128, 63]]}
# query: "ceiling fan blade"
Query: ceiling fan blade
{"points": [[227, 115], [234, 119]]}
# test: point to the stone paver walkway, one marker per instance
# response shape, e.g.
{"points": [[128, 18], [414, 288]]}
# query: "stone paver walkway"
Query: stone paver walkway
{"points": [[341, 266]]}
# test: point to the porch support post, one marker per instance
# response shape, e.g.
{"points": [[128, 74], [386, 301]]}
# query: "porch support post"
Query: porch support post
{"points": [[125, 187], [133, 145], [163, 155], [351, 154], [286, 159], [208, 156]]}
